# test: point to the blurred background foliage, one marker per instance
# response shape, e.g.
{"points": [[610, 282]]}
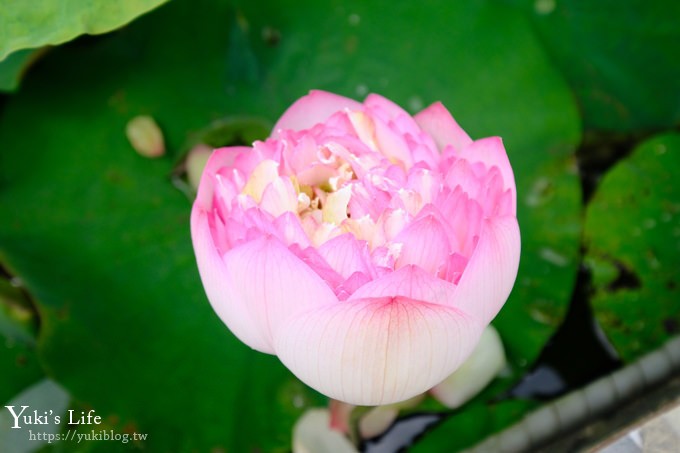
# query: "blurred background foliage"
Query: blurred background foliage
{"points": [[99, 289]]}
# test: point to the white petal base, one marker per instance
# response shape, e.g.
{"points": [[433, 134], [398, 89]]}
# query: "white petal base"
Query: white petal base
{"points": [[485, 362]]}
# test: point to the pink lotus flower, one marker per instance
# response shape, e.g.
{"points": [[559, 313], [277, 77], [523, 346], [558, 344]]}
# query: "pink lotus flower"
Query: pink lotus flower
{"points": [[366, 248]]}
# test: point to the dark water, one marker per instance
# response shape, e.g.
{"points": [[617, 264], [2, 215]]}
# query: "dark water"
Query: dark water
{"points": [[578, 352], [401, 434]]}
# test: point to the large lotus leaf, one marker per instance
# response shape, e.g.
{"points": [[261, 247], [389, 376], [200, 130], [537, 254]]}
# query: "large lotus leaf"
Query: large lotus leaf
{"points": [[101, 238], [34, 24], [620, 58], [632, 233]]}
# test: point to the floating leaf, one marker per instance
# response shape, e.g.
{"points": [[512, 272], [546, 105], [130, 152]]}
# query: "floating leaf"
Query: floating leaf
{"points": [[28, 25], [632, 234], [464, 429], [13, 68]]}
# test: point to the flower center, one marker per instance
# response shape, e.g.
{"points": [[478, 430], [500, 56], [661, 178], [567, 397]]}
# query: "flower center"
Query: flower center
{"points": [[321, 205]]}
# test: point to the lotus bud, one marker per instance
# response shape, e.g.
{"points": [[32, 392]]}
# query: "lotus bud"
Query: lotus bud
{"points": [[366, 248]]}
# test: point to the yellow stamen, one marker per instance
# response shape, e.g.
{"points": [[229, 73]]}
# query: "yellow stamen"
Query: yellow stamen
{"points": [[335, 208]]}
